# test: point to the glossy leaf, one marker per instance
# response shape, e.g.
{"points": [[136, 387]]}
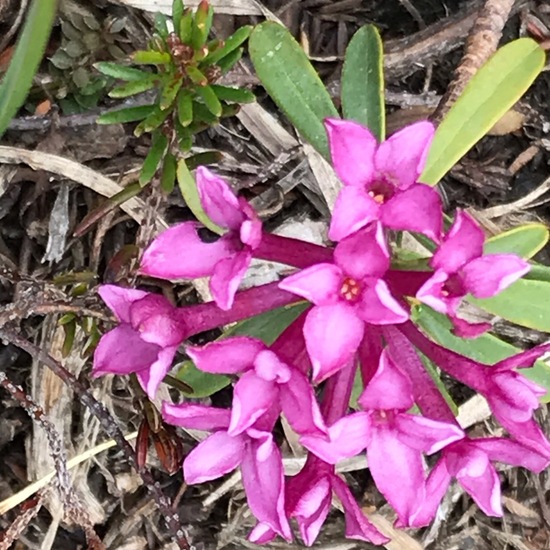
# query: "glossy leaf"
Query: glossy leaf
{"points": [[487, 349], [188, 189], [525, 240], [363, 81], [233, 95], [292, 82], [231, 44], [153, 158], [227, 62], [488, 96], [202, 24], [151, 57], [130, 114], [210, 100], [26, 58], [133, 88], [122, 72]]}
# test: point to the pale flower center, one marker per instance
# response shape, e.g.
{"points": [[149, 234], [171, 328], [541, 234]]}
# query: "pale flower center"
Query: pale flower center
{"points": [[350, 290]]}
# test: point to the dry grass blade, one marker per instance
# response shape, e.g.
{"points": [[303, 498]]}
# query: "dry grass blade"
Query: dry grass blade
{"points": [[229, 7]]}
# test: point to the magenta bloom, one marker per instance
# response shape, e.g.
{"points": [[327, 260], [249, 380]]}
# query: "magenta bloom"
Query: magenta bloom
{"points": [[181, 253], [469, 461], [461, 268], [394, 439], [254, 451], [146, 340], [265, 383], [381, 180], [347, 294]]}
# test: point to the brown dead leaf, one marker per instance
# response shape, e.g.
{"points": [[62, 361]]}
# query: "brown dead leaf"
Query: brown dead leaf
{"points": [[512, 121], [527, 516]]}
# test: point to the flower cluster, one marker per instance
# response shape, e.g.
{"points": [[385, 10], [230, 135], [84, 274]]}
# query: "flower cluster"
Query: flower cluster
{"points": [[359, 318]]}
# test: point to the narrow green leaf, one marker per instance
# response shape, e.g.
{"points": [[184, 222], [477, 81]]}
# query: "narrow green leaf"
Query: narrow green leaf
{"points": [[203, 383], [169, 92], [161, 25], [168, 176], [186, 26], [210, 100], [233, 95], [152, 122], [538, 272], [202, 114], [185, 107], [363, 81], [487, 348], [190, 194], [153, 158], [122, 72], [292, 82], [151, 57], [227, 62], [196, 76], [130, 114], [25, 61], [525, 241], [231, 44], [525, 303], [177, 13], [133, 88], [202, 25], [487, 97]]}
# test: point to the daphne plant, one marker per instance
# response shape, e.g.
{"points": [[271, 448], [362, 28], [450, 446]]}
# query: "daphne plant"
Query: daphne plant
{"points": [[360, 324]]}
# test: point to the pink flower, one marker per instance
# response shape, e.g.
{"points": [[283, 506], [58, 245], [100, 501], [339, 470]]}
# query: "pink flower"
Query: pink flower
{"points": [[254, 451], [469, 461], [265, 383], [146, 340], [381, 180], [181, 252], [394, 439], [347, 294], [462, 268]]}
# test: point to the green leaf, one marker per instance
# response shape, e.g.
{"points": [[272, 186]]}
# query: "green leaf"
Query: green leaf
{"points": [[131, 74], [363, 81], [186, 26], [133, 88], [538, 272], [525, 241], [202, 114], [196, 76], [202, 24], [487, 348], [185, 107], [267, 327], [25, 61], [292, 82], [188, 189], [169, 92], [177, 13], [227, 62], [152, 122], [210, 100], [130, 114], [233, 95], [231, 44], [168, 176], [524, 303], [153, 158], [161, 25], [151, 57], [488, 96]]}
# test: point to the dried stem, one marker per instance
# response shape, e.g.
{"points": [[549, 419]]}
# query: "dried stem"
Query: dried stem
{"points": [[29, 510]]}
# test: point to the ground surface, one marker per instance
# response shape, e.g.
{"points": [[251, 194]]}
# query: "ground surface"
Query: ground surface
{"points": [[39, 211]]}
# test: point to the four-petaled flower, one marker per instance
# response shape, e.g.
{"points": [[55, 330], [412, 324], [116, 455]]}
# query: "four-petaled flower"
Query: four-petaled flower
{"points": [[184, 252], [347, 294], [146, 339], [462, 268], [381, 180]]}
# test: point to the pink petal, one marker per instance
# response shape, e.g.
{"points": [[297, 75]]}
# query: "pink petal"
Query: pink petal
{"points": [[364, 254], [352, 149], [354, 209], [389, 388], [269, 367], [418, 208], [347, 437], [398, 472], [218, 200], [333, 334], [214, 457], [120, 299], [196, 417], [263, 481], [431, 293], [463, 243], [179, 253], [262, 534], [227, 277], [379, 307], [357, 525], [507, 451], [252, 397], [122, 351], [465, 329], [151, 378], [487, 276], [523, 360], [227, 356], [403, 155], [319, 284], [250, 233], [425, 434], [300, 405]]}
